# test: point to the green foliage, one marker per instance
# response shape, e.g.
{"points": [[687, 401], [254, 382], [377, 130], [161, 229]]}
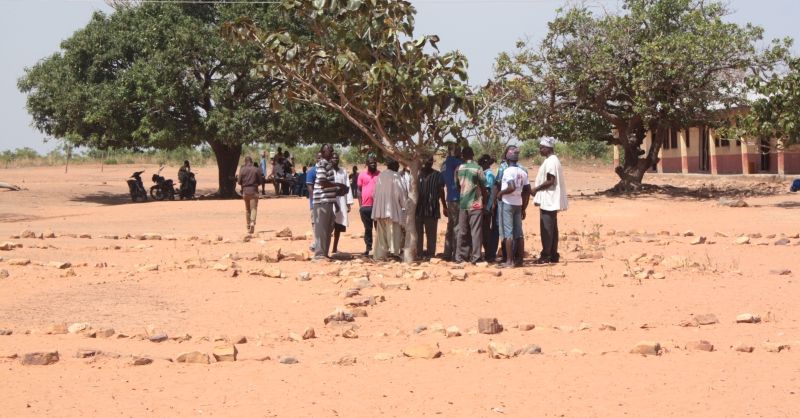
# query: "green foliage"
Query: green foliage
{"points": [[160, 76], [774, 113], [659, 64]]}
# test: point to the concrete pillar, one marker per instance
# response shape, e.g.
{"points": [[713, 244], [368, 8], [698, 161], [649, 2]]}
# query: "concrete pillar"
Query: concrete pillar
{"points": [[781, 157], [616, 155], [684, 151], [745, 159], [712, 151]]}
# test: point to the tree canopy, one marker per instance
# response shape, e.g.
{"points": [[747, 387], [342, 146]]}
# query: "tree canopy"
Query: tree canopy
{"points": [[364, 62], [657, 65], [161, 76]]}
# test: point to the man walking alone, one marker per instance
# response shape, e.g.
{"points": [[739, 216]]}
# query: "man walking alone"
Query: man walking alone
{"points": [[250, 178]]}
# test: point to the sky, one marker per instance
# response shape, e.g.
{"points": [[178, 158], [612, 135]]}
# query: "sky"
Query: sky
{"points": [[33, 29]]}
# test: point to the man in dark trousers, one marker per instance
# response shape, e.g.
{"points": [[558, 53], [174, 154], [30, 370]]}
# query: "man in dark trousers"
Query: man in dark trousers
{"points": [[550, 195], [366, 191], [431, 203], [250, 178], [325, 192]]}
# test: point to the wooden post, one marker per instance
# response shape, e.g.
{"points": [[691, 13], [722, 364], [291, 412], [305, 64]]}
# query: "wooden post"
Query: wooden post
{"points": [[684, 151], [712, 151]]}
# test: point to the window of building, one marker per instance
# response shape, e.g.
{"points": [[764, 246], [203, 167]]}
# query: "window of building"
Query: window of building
{"points": [[673, 138], [688, 143]]}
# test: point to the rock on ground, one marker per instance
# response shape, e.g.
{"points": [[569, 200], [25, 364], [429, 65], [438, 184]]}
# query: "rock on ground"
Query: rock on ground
{"points": [[489, 326], [423, 351], [227, 352], [41, 358], [647, 348], [195, 357], [747, 318], [701, 345], [500, 350]]}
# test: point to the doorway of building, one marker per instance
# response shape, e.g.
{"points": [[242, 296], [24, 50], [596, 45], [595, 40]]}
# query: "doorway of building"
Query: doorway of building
{"points": [[763, 149], [705, 162]]}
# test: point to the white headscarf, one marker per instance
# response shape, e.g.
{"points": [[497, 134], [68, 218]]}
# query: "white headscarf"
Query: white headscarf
{"points": [[547, 141]]}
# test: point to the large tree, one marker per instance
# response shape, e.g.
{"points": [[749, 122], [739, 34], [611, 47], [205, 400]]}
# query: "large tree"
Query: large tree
{"points": [[162, 76], [363, 62], [657, 65]]}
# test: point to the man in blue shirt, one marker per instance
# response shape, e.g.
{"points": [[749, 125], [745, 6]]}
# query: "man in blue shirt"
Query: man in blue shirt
{"points": [[449, 175], [311, 176], [491, 231]]}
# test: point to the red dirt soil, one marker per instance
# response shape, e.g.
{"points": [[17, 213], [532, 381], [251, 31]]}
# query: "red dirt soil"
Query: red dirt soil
{"points": [[583, 370]]}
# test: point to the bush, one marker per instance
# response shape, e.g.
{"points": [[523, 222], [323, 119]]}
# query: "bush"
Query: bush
{"points": [[580, 150], [110, 161]]}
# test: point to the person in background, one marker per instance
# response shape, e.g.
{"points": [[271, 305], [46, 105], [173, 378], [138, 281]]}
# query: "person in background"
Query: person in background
{"points": [[187, 180], [288, 173], [448, 171], [514, 194], [472, 192], [263, 167], [311, 175], [299, 182], [491, 232], [343, 203], [550, 195], [430, 203], [499, 202], [388, 211], [278, 173], [250, 178], [366, 190], [354, 182], [326, 189]]}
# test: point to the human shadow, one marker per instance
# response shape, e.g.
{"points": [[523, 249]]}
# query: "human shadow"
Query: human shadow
{"points": [[704, 192], [788, 205]]}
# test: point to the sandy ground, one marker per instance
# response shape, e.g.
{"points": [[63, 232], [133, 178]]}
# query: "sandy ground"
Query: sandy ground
{"points": [[609, 244]]}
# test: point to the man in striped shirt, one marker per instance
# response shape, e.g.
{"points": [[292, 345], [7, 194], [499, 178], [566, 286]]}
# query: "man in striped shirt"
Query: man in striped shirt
{"points": [[431, 195], [325, 192]]}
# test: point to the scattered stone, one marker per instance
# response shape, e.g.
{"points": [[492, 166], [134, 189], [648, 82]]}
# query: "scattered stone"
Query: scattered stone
{"points": [[61, 265], [782, 241], [688, 234], [339, 315], [453, 331], [141, 361], [287, 360], [697, 240], [529, 349], [271, 256], [775, 347], [420, 329], [8, 246], [527, 326], [78, 327], [27, 234], [420, 275], [104, 333], [297, 256], [220, 267], [647, 348], [4, 331], [706, 319], [732, 203], [489, 326], [157, 338], [395, 286], [584, 326], [60, 328], [744, 348], [284, 233], [577, 352], [45, 358], [85, 236], [659, 275], [350, 333], [304, 276], [4, 274], [744, 239], [780, 272], [425, 351], [564, 328], [149, 267], [747, 318], [294, 337], [499, 350], [194, 357], [18, 261], [49, 234], [86, 353], [239, 339], [227, 352], [459, 275], [347, 360], [607, 327], [701, 345], [362, 283]]}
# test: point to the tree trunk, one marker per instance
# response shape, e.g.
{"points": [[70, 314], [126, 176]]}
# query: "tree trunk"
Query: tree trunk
{"points": [[633, 170], [227, 163], [410, 249]]}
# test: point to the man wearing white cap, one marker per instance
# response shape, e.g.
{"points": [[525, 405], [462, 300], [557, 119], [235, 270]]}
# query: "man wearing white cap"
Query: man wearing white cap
{"points": [[550, 194]]}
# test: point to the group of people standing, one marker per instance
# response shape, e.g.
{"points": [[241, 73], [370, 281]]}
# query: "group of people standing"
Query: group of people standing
{"points": [[484, 208]]}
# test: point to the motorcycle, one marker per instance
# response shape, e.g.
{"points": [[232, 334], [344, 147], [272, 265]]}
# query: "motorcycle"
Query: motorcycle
{"points": [[136, 187], [163, 188]]}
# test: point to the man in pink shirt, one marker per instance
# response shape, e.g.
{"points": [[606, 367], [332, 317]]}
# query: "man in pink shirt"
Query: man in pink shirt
{"points": [[366, 187]]}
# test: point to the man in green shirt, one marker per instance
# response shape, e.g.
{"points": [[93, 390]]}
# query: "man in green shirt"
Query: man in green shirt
{"points": [[471, 183]]}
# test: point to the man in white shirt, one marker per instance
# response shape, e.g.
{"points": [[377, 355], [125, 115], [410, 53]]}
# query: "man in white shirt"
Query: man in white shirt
{"points": [[550, 194], [343, 202], [514, 195]]}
